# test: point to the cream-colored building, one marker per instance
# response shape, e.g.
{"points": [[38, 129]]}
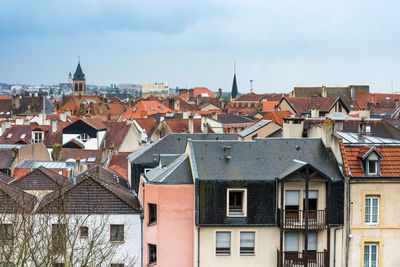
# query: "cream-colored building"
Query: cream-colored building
{"points": [[155, 89]]}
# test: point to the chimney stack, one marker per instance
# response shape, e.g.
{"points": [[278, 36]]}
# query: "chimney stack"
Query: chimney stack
{"points": [[54, 126], [191, 123], [191, 94], [362, 127], [204, 128]]}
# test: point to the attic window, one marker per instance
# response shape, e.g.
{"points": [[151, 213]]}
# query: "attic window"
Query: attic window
{"points": [[23, 135], [368, 129], [8, 113], [160, 107], [84, 137], [1, 113], [151, 108], [372, 167], [134, 109], [91, 159], [9, 135], [387, 98]]}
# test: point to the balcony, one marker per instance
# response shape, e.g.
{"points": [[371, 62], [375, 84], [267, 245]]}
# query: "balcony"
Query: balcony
{"points": [[297, 259], [296, 219]]}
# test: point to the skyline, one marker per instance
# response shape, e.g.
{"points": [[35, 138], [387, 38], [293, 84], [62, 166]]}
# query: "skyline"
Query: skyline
{"points": [[278, 45]]}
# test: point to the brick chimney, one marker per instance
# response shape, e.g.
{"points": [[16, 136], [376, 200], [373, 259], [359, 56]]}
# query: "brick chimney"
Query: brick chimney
{"points": [[191, 124]]}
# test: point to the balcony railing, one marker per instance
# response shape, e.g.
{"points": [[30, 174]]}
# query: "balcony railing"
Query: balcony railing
{"points": [[296, 219], [297, 259]]}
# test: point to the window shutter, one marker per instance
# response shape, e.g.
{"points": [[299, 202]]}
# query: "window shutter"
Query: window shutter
{"points": [[223, 239], [292, 197], [291, 241], [247, 239]]}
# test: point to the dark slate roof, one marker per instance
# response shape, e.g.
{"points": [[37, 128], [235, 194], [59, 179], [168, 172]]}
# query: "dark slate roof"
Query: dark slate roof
{"points": [[178, 172], [262, 159], [232, 118], [106, 175], [6, 156], [17, 196], [255, 127], [79, 75], [172, 144], [234, 92], [91, 194], [5, 178], [40, 179]]}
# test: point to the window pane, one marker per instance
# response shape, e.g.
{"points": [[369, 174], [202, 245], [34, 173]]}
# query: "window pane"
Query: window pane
{"points": [[312, 240], [372, 166], [292, 197], [223, 243], [375, 206], [291, 241], [366, 256], [367, 210]]}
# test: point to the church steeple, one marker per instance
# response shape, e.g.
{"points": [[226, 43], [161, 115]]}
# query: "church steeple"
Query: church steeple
{"points": [[234, 93], [79, 82]]}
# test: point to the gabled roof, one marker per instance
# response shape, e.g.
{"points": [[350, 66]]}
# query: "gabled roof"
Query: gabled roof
{"points": [[148, 124], [303, 105], [269, 105], [19, 197], [177, 172], [106, 175], [255, 127], [366, 151], [182, 125], [40, 179], [233, 119], [78, 197], [276, 116], [116, 132], [83, 155], [296, 167]]}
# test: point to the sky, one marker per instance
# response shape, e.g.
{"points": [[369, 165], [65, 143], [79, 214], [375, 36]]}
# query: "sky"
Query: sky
{"points": [[279, 44]]}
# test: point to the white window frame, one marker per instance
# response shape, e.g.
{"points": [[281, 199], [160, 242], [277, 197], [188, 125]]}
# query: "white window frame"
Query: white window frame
{"points": [[370, 221], [376, 167], [36, 140], [370, 245], [244, 202], [84, 137]]}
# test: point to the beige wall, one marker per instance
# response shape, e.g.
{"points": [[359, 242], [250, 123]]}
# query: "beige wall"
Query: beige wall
{"points": [[293, 130], [131, 140], [31, 152], [285, 106], [210, 107], [265, 131], [266, 245], [319, 186], [386, 233], [336, 107]]}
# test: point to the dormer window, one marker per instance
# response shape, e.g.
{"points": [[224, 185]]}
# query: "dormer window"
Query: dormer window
{"points": [[37, 137], [370, 159]]}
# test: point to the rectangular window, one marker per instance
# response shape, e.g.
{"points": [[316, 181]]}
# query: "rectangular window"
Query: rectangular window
{"points": [[237, 202], [371, 209], [372, 167], [370, 255], [312, 200], [58, 236], [292, 199], [152, 214], [247, 243], [84, 232], [291, 241], [37, 137], [152, 254], [6, 232], [117, 232], [223, 243]]}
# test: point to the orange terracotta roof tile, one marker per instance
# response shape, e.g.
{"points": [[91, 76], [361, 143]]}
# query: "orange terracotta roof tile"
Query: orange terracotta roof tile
{"points": [[145, 108], [276, 116]]}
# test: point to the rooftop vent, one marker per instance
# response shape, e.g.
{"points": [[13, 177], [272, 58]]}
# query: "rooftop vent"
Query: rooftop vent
{"points": [[227, 150]]}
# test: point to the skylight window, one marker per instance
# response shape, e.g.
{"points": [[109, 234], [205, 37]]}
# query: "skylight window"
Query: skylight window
{"points": [[1, 113], [134, 109], [387, 98], [91, 159], [368, 129], [23, 135], [9, 135], [151, 108], [160, 107], [8, 113]]}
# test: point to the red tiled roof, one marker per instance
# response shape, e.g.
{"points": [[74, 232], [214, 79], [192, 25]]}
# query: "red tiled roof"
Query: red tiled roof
{"points": [[182, 125], [145, 108], [257, 97], [305, 104], [269, 105], [389, 165], [118, 170], [276, 116], [147, 123], [199, 91], [116, 132], [96, 123], [363, 99]]}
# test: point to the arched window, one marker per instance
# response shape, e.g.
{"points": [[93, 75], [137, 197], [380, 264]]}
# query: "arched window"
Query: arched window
{"points": [[76, 87], [80, 86]]}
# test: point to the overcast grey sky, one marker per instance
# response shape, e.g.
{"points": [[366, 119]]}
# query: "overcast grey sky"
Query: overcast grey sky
{"points": [[279, 44]]}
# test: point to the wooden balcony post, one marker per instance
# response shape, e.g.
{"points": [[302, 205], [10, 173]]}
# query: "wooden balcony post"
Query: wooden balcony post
{"points": [[281, 225], [306, 220]]}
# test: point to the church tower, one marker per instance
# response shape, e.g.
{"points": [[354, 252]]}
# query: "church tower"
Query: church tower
{"points": [[79, 82]]}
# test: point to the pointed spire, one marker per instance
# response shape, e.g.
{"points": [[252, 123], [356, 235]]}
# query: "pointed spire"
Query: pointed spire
{"points": [[234, 92], [79, 75]]}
